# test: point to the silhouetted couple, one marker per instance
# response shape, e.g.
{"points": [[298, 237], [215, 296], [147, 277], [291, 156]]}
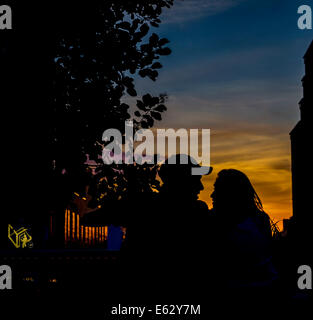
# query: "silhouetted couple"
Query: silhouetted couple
{"points": [[183, 248]]}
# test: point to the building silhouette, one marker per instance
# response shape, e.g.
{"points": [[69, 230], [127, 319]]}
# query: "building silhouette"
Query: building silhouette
{"points": [[301, 147]]}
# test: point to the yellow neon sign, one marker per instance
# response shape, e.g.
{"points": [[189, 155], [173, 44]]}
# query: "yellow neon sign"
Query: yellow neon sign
{"points": [[20, 238]]}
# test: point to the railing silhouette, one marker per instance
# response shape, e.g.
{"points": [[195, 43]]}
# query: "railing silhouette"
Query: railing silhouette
{"points": [[86, 236]]}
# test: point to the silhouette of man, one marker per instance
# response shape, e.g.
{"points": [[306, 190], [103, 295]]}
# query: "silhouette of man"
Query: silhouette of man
{"points": [[177, 227], [165, 215], [180, 211], [166, 246]]}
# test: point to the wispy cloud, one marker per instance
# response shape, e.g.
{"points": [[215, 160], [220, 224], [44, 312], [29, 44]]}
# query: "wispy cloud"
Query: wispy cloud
{"points": [[187, 10], [259, 62]]}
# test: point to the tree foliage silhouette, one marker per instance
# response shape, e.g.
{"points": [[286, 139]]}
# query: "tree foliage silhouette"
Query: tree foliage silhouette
{"points": [[97, 55]]}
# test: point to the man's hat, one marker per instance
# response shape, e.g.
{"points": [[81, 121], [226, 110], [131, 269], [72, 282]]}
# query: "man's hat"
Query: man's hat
{"points": [[182, 165]]}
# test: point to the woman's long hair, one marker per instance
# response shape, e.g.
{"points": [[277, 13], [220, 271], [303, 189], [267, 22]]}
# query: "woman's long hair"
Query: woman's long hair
{"points": [[240, 195]]}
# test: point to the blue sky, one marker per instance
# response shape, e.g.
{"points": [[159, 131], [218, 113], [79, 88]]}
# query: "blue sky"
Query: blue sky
{"points": [[236, 68]]}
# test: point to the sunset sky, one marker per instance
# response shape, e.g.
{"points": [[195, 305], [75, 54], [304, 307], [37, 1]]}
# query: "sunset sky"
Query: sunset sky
{"points": [[236, 68]]}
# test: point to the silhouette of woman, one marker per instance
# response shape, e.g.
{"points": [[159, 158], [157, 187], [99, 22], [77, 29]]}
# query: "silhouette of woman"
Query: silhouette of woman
{"points": [[243, 233]]}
